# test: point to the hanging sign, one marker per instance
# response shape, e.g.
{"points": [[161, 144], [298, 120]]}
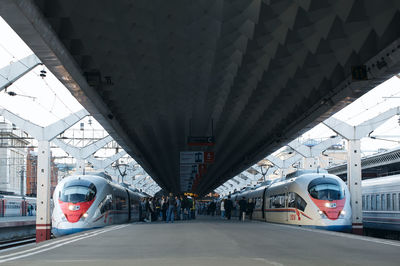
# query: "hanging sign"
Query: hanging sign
{"points": [[201, 141], [191, 157], [209, 157]]}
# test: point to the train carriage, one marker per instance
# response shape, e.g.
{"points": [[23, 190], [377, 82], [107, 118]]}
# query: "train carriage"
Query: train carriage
{"points": [[381, 203]]}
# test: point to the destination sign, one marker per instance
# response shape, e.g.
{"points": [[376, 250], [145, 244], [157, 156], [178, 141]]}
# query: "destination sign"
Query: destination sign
{"points": [[201, 141], [191, 157]]}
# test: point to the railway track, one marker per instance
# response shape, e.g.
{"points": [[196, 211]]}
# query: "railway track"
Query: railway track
{"points": [[16, 242]]}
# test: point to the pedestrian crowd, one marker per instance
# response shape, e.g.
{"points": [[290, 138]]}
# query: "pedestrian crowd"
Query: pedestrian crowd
{"points": [[168, 208], [227, 208]]}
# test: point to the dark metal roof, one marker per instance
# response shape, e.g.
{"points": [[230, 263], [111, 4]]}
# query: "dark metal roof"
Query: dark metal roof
{"points": [[262, 71]]}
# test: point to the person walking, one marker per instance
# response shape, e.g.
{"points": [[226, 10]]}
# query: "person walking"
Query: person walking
{"points": [[151, 210], [228, 207], [178, 208], [171, 207], [242, 208], [213, 207], [222, 208], [164, 208], [250, 208]]}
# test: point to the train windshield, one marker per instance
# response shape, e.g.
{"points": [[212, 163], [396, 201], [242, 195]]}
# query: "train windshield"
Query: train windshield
{"points": [[78, 191], [325, 189]]}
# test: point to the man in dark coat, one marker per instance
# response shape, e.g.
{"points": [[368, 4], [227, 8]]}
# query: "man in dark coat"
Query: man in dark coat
{"points": [[228, 207], [242, 207], [250, 208]]}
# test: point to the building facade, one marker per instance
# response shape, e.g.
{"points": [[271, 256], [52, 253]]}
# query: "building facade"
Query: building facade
{"points": [[31, 174], [13, 151]]}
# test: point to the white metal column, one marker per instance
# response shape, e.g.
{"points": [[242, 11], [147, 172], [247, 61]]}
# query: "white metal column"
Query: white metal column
{"points": [[43, 219], [354, 184]]}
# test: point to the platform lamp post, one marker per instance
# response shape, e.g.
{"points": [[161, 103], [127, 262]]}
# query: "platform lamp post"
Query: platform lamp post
{"points": [[121, 173], [262, 172]]}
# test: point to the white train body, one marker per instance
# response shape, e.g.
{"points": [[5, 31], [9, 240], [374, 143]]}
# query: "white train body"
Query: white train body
{"points": [[381, 203], [12, 206], [84, 202], [318, 200]]}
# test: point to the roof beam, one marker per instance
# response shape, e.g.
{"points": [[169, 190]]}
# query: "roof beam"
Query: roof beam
{"points": [[16, 70]]}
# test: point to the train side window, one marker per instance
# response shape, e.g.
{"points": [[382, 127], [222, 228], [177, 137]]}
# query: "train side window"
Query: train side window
{"points": [[277, 201], [291, 200], [378, 203], [373, 202], [363, 202], [383, 202], [300, 203], [394, 200], [295, 201], [388, 202], [399, 201], [367, 202]]}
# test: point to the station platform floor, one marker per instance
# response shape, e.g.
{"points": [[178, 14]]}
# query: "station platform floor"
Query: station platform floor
{"points": [[17, 221], [206, 241]]}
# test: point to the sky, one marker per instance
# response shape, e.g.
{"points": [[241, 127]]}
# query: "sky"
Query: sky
{"points": [[40, 98]]}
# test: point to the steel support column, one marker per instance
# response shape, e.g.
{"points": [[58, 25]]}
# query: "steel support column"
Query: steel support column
{"points": [[43, 218], [354, 184]]}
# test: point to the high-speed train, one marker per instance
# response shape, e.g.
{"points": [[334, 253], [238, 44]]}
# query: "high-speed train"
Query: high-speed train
{"points": [[83, 202], [307, 198]]}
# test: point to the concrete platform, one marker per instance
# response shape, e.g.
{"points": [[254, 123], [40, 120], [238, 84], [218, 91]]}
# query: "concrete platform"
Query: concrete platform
{"points": [[17, 221], [17, 227], [207, 241]]}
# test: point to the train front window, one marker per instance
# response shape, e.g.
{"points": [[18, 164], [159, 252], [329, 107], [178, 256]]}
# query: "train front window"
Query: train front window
{"points": [[78, 192], [325, 189]]}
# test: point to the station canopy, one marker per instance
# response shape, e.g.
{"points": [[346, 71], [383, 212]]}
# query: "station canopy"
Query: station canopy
{"points": [[237, 78]]}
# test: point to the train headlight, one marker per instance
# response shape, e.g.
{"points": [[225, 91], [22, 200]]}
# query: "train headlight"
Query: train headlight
{"points": [[328, 205], [71, 207], [85, 215], [322, 214], [342, 213]]}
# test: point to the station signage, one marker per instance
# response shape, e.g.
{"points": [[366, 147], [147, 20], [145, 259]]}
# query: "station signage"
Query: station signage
{"points": [[193, 166], [196, 157], [209, 157], [188, 169], [191, 157], [201, 141], [202, 169]]}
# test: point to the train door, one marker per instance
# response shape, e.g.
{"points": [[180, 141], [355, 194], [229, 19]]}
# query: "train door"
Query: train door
{"points": [[263, 207], [129, 205], [1, 208], [286, 204]]}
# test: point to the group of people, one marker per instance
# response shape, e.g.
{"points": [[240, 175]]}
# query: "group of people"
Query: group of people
{"points": [[168, 208], [227, 206]]}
